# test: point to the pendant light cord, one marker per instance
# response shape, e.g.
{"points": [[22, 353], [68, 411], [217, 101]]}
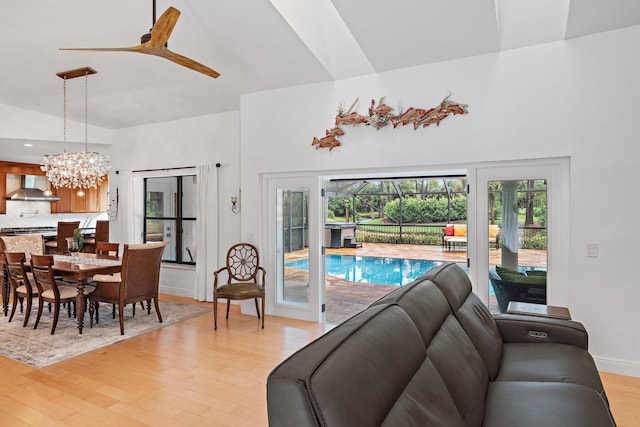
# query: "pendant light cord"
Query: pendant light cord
{"points": [[86, 113], [64, 108]]}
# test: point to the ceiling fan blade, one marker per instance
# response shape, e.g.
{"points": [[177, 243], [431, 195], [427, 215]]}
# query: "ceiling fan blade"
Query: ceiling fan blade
{"points": [[138, 48], [186, 62], [161, 31]]}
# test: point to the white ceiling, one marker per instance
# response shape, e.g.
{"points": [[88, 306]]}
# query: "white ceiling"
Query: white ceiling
{"points": [[256, 48]]}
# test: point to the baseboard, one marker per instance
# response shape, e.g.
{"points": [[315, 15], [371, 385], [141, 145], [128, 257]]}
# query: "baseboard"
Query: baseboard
{"points": [[618, 366], [179, 292]]}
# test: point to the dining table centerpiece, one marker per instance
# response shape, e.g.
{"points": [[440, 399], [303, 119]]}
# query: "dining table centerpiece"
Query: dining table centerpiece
{"points": [[76, 241]]}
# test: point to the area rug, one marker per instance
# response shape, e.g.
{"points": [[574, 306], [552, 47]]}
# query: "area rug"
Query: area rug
{"points": [[38, 348]]}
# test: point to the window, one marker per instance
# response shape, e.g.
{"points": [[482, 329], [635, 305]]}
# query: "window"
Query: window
{"points": [[170, 215]]}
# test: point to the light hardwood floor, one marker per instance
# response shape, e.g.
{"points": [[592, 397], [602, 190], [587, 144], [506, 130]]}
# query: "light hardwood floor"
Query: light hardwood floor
{"points": [[185, 375]]}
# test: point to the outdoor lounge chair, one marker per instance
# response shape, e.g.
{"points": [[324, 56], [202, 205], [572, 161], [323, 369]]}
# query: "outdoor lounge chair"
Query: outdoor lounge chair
{"points": [[517, 291]]}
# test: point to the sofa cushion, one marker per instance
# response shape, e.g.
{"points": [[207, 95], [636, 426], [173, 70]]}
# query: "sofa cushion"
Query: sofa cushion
{"points": [[505, 272], [460, 230], [532, 273], [424, 402], [527, 280], [471, 312], [448, 346], [424, 303], [549, 362], [357, 373], [461, 369], [493, 231], [448, 230], [535, 404]]}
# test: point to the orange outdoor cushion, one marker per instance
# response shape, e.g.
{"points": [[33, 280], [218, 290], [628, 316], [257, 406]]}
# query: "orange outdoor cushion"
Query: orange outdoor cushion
{"points": [[493, 231], [460, 230]]}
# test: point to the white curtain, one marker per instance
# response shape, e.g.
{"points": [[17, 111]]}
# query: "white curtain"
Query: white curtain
{"points": [[510, 237], [125, 207], [207, 231]]}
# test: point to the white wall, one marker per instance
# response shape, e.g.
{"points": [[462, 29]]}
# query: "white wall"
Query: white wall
{"points": [[577, 98], [190, 142]]}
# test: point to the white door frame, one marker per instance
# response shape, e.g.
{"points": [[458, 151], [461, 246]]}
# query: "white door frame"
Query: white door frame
{"points": [[312, 310], [556, 172]]}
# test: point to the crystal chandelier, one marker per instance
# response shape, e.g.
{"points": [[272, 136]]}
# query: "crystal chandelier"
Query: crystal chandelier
{"points": [[76, 170]]}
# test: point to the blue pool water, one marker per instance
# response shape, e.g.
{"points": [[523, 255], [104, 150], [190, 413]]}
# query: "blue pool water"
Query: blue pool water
{"points": [[381, 271]]}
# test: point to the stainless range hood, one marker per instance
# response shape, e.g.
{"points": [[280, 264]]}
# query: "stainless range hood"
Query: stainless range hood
{"points": [[29, 191]]}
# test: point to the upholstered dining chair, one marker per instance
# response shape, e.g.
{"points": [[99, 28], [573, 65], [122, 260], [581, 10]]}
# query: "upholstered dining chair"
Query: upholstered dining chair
{"points": [[245, 279], [27, 243], [22, 286], [138, 281], [51, 290], [65, 229], [107, 248], [4, 279]]}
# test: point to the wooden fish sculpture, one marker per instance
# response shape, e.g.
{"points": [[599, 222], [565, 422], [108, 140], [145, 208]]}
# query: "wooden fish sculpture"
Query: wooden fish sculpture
{"points": [[329, 141], [381, 115]]}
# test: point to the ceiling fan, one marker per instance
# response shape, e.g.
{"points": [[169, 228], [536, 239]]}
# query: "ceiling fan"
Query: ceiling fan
{"points": [[154, 43]]}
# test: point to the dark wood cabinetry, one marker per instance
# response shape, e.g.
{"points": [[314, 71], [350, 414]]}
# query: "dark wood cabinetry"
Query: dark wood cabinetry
{"points": [[94, 199]]}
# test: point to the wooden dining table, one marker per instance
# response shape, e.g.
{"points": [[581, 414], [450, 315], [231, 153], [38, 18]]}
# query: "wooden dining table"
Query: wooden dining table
{"points": [[81, 267]]}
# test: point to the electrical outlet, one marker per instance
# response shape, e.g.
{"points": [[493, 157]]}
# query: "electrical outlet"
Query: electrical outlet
{"points": [[592, 250]]}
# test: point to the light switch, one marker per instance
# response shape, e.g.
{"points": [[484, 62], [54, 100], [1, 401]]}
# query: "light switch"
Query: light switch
{"points": [[592, 250]]}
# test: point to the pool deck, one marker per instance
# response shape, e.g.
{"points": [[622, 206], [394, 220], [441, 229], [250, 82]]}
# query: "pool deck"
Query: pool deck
{"points": [[344, 298]]}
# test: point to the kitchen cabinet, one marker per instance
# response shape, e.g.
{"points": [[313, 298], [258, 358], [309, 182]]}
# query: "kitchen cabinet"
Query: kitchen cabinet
{"points": [[94, 200], [14, 168]]}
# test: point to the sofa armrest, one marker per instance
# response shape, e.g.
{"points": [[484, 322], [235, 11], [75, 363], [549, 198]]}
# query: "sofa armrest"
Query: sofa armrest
{"points": [[519, 328]]}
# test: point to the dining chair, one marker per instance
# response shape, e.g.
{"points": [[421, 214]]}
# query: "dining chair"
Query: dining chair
{"points": [[65, 229], [101, 235], [4, 281], [51, 290], [138, 281], [245, 279], [22, 286], [27, 243], [107, 248]]}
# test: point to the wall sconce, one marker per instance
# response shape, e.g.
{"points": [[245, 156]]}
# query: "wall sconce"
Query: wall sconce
{"points": [[235, 203]]}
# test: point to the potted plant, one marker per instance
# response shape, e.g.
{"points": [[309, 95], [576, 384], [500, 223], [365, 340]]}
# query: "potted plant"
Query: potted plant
{"points": [[76, 242]]}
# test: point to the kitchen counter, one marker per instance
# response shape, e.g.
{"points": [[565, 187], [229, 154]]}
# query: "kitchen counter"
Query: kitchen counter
{"points": [[49, 233]]}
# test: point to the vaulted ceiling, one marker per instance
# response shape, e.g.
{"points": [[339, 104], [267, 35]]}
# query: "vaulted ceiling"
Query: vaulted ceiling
{"points": [[258, 45]]}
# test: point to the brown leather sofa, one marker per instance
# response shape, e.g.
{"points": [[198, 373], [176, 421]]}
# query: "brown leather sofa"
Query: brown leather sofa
{"points": [[431, 354]]}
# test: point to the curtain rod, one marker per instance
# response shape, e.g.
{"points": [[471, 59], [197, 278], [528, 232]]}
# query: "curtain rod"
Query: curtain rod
{"points": [[163, 169]]}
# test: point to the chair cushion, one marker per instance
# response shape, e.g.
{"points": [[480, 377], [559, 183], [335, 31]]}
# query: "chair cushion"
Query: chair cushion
{"points": [[240, 290], [65, 292], [114, 278], [148, 245], [23, 290]]}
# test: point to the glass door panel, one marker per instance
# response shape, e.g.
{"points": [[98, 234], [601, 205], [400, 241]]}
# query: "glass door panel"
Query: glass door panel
{"points": [[293, 248], [517, 242]]}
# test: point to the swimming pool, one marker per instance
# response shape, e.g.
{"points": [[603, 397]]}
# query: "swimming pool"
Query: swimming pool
{"points": [[375, 270]]}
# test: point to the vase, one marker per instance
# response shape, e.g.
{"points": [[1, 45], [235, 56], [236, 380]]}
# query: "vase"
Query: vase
{"points": [[75, 244]]}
